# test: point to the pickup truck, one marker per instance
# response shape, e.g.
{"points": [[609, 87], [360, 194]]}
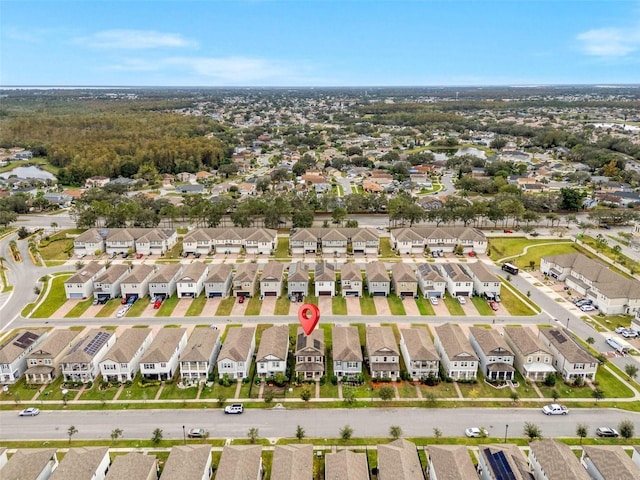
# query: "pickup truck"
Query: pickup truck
{"points": [[555, 409]]}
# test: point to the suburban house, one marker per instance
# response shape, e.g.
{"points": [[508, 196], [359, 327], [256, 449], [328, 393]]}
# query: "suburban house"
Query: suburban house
{"points": [[218, 283], [310, 354], [292, 461], [133, 466], [15, 350], [160, 359], [230, 240], [382, 351], [246, 459], [608, 461], [346, 465], [570, 359], [136, 284], [82, 363], [96, 181], [260, 242], [163, 282], [450, 461], [156, 241], [419, 353], [496, 360], [365, 241], [120, 240], [271, 279], [235, 356], [532, 359], [188, 462], [458, 282], [83, 463], [44, 361], [273, 351], [80, 285], [107, 285], [298, 281], [346, 352], [553, 460], [485, 283], [398, 460], [303, 241], [430, 280], [90, 242], [189, 189], [378, 281], [122, 362], [200, 355], [404, 280], [245, 279], [414, 240], [325, 279], [31, 464], [457, 356], [351, 280], [191, 281], [503, 461], [334, 241], [610, 292]]}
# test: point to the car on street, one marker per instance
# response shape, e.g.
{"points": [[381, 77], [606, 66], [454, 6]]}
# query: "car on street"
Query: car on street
{"points": [[555, 409], [461, 299], [196, 433], [607, 432], [234, 408], [493, 305], [476, 432], [433, 300], [29, 412], [629, 333], [508, 231]]}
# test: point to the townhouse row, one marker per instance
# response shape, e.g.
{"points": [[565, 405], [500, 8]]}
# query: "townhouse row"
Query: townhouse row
{"points": [[397, 460], [302, 241], [42, 355], [221, 280], [612, 293]]}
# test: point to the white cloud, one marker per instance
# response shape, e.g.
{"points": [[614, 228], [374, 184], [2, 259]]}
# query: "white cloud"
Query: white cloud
{"points": [[610, 42], [134, 40]]}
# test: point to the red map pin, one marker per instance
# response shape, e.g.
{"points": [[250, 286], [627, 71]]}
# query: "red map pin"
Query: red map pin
{"points": [[309, 316]]}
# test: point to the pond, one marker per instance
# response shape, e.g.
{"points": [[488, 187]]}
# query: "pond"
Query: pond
{"points": [[30, 171]]}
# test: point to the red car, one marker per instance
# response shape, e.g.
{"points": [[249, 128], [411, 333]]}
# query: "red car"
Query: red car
{"points": [[493, 305], [472, 254], [508, 231], [139, 256], [240, 299], [157, 304]]}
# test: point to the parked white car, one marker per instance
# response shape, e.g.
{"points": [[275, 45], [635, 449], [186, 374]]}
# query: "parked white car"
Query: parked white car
{"points": [[475, 432], [555, 409], [433, 300], [462, 300]]}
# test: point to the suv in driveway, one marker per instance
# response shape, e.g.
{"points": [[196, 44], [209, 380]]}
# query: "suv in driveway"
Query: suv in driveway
{"points": [[234, 408]]}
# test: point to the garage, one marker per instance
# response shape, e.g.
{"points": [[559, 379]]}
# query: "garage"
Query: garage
{"points": [[270, 294], [74, 296], [215, 294], [352, 293], [406, 294], [379, 294]]}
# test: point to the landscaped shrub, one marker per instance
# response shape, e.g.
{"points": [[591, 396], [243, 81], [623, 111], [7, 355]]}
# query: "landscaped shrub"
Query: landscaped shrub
{"points": [[334, 380], [550, 379]]}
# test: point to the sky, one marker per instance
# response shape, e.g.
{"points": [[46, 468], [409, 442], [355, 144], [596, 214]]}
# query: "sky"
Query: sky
{"points": [[216, 43]]}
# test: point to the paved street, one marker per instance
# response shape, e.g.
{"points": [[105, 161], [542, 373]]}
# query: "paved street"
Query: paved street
{"points": [[318, 423]]}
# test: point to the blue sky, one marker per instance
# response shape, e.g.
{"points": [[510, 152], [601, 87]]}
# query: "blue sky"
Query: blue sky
{"points": [[318, 42]]}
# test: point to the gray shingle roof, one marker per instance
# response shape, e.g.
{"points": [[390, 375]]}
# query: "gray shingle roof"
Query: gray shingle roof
{"points": [[19, 341], [451, 462], [490, 341], [298, 272], [78, 354], [163, 345], [85, 274], [399, 460], [325, 272], [376, 272], [200, 345], [239, 462], [113, 273], [351, 272], [557, 460], [401, 272], [275, 342], [454, 342], [139, 273], [292, 462], [346, 344], [567, 346], [272, 271], [132, 466], [479, 270], [514, 457], [127, 344], [419, 344], [166, 273], [346, 465], [193, 272], [186, 462], [27, 463], [80, 463], [381, 341], [612, 462], [237, 344], [218, 273], [525, 340]]}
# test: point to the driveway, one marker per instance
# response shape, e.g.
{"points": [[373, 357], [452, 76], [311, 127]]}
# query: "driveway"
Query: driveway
{"points": [[325, 306], [441, 309], [149, 311], [92, 311], [268, 306], [410, 306], [382, 306], [211, 307], [181, 307], [353, 306], [469, 308], [239, 308], [65, 308]]}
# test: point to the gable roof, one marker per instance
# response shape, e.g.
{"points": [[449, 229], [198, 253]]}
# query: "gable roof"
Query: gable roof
{"points": [[87, 347], [163, 345], [186, 462], [350, 272], [274, 342], [454, 343], [113, 273], [525, 340], [272, 271], [127, 344], [399, 460], [166, 273], [239, 462], [325, 272], [218, 273], [200, 345], [292, 462], [193, 272], [139, 274], [566, 345], [490, 341], [237, 344], [419, 344], [612, 461], [246, 272], [381, 340], [346, 465], [401, 272], [557, 460], [18, 342], [132, 466], [346, 344], [430, 272], [509, 454], [478, 270], [80, 463], [28, 463], [298, 272], [376, 272], [451, 462], [56, 342], [310, 343], [86, 273]]}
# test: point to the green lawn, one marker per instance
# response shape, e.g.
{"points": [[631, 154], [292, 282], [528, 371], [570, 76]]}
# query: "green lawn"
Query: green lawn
{"points": [[19, 392], [109, 307], [442, 390], [216, 391], [254, 306], [225, 307], [282, 250], [339, 305], [367, 305], [97, 393], [453, 305], [503, 247], [196, 307], [59, 247], [171, 391], [407, 390], [514, 304], [395, 305], [55, 299], [138, 307], [137, 392], [385, 248], [80, 308], [283, 304], [483, 390], [424, 306], [482, 306], [167, 306], [611, 386]]}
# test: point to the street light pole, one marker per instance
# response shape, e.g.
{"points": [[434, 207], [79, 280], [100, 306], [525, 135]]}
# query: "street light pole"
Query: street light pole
{"points": [[506, 429], [184, 435], [568, 323]]}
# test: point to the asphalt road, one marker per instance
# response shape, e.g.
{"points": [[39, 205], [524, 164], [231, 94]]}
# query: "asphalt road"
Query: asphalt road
{"points": [[317, 423]]}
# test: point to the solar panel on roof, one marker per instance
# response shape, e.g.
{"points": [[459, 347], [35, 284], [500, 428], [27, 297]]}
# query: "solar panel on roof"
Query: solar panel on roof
{"points": [[96, 343], [500, 465], [558, 336], [26, 339]]}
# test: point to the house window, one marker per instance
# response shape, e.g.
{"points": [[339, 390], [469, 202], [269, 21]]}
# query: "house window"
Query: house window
{"points": [[163, 365], [149, 366], [226, 365], [124, 366]]}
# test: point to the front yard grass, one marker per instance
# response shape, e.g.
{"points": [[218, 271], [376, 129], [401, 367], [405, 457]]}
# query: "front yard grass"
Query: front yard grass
{"points": [[55, 298], [19, 392], [171, 391], [395, 305], [338, 305], [109, 308], [442, 390], [483, 390], [367, 305], [407, 390], [482, 306], [225, 307], [610, 385], [80, 308], [97, 393], [614, 321], [136, 391], [424, 306], [196, 307], [283, 304], [138, 307], [167, 306], [453, 305], [385, 248], [282, 250], [254, 306], [218, 391], [515, 305]]}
